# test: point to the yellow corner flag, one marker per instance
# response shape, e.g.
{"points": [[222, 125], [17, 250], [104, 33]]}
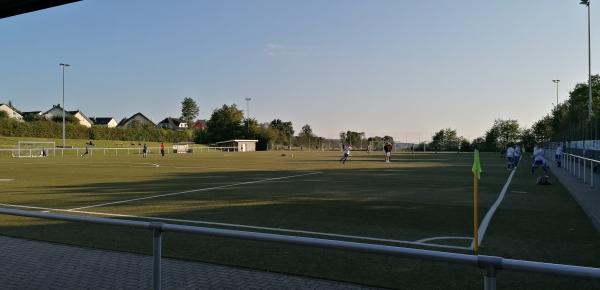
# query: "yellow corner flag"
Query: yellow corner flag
{"points": [[476, 165], [476, 176]]}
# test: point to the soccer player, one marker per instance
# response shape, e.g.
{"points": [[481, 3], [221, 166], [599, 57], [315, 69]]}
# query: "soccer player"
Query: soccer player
{"points": [[538, 161], [517, 157], [86, 150], [387, 148], [557, 154], [347, 149], [510, 157], [162, 149], [145, 150]]}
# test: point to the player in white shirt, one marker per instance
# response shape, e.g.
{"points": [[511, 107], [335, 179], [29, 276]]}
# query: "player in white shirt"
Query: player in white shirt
{"points": [[347, 149], [517, 157], [557, 155], [538, 161], [510, 157]]}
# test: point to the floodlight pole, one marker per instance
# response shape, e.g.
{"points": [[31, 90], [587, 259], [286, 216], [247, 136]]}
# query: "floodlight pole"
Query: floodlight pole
{"points": [[556, 82], [63, 65], [590, 112], [589, 64], [248, 113]]}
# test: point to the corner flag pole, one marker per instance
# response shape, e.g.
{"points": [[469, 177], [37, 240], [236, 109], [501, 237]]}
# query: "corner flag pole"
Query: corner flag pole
{"points": [[476, 176], [475, 213]]}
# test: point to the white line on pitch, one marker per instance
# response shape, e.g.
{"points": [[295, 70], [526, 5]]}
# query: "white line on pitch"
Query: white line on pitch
{"points": [[194, 190], [443, 238], [6, 179], [416, 243], [488, 216]]}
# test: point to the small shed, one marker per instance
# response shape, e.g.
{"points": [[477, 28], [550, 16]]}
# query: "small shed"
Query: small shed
{"points": [[242, 145]]}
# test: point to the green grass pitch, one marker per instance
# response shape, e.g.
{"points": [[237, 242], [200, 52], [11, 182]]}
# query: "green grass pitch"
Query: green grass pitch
{"points": [[417, 196]]}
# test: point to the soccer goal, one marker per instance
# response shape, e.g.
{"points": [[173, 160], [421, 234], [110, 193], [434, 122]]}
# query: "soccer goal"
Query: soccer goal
{"points": [[35, 149]]}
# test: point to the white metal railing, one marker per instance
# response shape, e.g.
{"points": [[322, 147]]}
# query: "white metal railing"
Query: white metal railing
{"points": [[16, 152], [490, 265], [578, 166]]}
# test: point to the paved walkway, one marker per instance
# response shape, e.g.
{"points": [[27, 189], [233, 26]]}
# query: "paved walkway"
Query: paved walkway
{"points": [[587, 197], [27, 264]]}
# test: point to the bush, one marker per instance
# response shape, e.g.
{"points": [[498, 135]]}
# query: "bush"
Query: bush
{"points": [[47, 129]]}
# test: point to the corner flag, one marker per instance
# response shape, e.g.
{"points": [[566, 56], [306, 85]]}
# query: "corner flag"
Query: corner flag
{"points": [[476, 165]]}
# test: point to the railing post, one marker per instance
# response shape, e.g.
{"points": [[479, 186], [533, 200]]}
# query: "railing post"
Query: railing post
{"points": [[490, 266], [583, 171], [591, 173], [156, 254]]}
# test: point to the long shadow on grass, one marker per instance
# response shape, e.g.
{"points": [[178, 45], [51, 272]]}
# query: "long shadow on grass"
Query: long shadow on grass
{"points": [[371, 202]]}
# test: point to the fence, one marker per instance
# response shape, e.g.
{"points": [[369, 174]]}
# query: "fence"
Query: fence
{"points": [[581, 167], [110, 150], [489, 264]]}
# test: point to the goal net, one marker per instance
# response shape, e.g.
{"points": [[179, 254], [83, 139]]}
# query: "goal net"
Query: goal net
{"points": [[35, 149]]}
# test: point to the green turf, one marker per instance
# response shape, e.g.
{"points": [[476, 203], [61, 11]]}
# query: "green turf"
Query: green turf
{"points": [[417, 196]]}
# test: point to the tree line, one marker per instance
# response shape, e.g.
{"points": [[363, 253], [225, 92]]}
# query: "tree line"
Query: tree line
{"points": [[568, 121]]}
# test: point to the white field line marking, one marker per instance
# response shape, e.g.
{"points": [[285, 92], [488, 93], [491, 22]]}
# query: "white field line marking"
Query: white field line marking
{"points": [[193, 190], [443, 238], [416, 243], [516, 191], [6, 179], [488, 216]]}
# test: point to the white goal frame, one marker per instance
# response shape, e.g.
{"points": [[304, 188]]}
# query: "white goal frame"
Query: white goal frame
{"points": [[49, 147]]}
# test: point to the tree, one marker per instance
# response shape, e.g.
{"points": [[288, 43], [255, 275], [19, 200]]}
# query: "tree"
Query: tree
{"points": [[285, 130], [542, 129], [445, 139], [189, 110], [225, 123], [306, 135], [528, 139]]}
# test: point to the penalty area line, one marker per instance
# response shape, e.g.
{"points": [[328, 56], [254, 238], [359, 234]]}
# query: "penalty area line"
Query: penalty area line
{"points": [[192, 190]]}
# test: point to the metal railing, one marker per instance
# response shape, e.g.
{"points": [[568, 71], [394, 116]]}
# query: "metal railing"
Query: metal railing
{"points": [[579, 166], [35, 152], [490, 265]]}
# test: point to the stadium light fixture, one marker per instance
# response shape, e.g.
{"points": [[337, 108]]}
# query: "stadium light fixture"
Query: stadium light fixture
{"points": [[556, 82], [63, 65]]}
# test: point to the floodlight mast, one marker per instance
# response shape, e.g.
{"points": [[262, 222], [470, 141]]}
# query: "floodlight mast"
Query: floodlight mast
{"points": [[63, 65], [590, 112], [556, 82], [248, 113]]}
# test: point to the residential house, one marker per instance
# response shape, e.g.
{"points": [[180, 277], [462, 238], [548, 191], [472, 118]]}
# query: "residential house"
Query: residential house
{"points": [[11, 111], [57, 112], [32, 115], [83, 119], [109, 122], [172, 124], [200, 124], [138, 118]]}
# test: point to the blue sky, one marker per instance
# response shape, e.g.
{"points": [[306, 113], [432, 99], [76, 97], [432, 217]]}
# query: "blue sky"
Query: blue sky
{"points": [[401, 68]]}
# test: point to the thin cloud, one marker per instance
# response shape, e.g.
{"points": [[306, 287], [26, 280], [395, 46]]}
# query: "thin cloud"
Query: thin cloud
{"points": [[278, 49]]}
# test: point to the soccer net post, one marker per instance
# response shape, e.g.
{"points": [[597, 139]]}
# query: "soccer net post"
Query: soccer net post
{"points": [[35, 149]]}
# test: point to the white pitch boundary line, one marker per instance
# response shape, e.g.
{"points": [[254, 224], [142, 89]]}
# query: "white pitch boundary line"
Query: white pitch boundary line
{"points": [[6, 179], [416, 243], [488, 216], [443, 238], [192, 190]]}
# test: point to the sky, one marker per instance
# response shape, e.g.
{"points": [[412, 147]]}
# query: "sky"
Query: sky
{"points": [[399, 68]]}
